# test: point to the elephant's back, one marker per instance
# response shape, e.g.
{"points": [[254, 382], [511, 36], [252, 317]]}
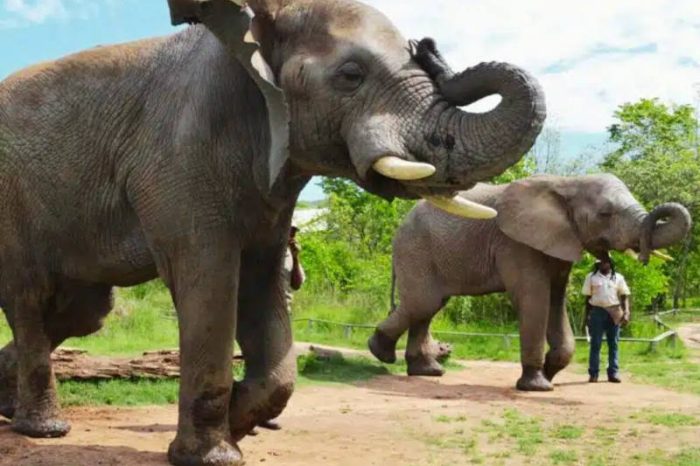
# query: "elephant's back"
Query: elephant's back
{"points": [[448, 243]]}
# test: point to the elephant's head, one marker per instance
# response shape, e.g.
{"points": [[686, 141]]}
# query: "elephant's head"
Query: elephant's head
{"points": [[562, 216], [366, 104]]}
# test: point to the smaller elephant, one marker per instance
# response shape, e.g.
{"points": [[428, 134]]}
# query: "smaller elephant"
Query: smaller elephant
{"points": [[544, 224]]}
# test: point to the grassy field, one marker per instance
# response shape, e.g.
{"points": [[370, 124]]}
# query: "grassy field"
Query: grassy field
{"points": [[517, 435], [143, 320]]}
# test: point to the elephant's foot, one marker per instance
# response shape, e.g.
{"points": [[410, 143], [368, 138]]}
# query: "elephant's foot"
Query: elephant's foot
{"points": [[382, 347], [424, 365], [550, 370], [254, 404], [533, 380], [221, 453], [39, 427]]}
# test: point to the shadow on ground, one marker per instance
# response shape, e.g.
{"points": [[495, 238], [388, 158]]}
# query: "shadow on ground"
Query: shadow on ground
{"points": [[341, 370], [16, 450], [418, 387]]}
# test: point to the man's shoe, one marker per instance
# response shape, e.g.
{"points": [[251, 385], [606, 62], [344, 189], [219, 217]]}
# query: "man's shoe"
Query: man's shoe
{"points": [[614, 379], [593, 379]]}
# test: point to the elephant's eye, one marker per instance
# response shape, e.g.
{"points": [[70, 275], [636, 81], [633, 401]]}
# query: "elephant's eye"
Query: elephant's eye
{"points": [[349, 76]]}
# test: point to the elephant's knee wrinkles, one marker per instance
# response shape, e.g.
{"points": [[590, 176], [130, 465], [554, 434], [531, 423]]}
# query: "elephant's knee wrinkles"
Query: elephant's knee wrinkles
{"points": [[209, 409]]}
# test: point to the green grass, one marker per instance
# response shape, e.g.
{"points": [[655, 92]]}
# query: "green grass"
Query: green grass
{"points": [[143, 320], [118, 392], [448, 419], [525, 431], [342, 370], [520, 436], [140, 392], [667, 419], [658, 457], [567, 432], [563, 457]]}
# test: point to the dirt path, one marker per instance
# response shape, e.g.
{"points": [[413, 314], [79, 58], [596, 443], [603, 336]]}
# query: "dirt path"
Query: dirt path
{"points": [[690, 334], [389, 420]]}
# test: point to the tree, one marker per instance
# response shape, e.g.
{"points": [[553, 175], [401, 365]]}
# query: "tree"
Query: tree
{"points": [[657, 157]]}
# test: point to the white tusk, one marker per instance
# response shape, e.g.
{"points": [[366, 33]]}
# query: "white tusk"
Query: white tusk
{"points": [[632, 254], [462, 207], [662, 256], [403, 170]]}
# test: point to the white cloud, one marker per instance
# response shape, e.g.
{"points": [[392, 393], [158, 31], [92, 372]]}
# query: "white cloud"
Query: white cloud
{"points": [[36, 11], [607, 52], [26, 12]]}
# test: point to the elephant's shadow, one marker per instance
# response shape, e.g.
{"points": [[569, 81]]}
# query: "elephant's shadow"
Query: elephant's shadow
{"points": [[435, 389], [16, 450]]}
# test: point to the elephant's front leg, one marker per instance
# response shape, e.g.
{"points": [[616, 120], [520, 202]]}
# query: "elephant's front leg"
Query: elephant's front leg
{"points": [[203, 280], [529, 286], [265, 337], [559, 334], [532, 303]]}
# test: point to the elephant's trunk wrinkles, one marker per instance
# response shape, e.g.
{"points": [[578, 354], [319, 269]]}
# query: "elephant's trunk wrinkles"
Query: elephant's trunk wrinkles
{"points": [[495, 140], [655, 235]]}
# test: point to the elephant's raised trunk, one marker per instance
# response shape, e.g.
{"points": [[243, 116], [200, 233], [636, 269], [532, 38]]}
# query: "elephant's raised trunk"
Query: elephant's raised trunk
{"points": [[655, 235], [498, 139], [485, 144]]}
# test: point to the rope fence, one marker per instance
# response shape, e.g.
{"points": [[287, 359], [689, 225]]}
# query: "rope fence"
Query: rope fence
{"points": [[669, 334]]}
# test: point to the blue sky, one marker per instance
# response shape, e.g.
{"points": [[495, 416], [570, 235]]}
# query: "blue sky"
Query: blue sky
{"points": [[590, 57]]}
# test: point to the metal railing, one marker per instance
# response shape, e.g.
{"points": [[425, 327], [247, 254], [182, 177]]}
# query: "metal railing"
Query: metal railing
{"points": [[669, 334]]}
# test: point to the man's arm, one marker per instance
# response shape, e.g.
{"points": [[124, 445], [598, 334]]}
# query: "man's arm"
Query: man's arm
{"points": [[626, 314], [624, 292], [298, 275], [586, 292], [588, 312]]}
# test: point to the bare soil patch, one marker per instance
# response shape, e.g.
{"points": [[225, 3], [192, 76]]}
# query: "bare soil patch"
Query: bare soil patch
{"points": [[390, 420]]}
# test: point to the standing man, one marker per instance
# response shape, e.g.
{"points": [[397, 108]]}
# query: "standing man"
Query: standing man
{"points": [[292, 272], [293, 277], [607, 308]]}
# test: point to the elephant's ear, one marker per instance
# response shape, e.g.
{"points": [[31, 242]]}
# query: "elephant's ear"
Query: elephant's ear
{"points": [[231, 24], [534, 212]]}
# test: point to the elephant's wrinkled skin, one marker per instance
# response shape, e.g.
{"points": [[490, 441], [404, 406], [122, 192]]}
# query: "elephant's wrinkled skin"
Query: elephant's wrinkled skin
{"points": [[544, 224], [124, 163]]}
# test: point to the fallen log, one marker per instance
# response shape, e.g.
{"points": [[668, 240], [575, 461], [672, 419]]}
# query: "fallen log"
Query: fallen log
{"points": [[72, 364]]}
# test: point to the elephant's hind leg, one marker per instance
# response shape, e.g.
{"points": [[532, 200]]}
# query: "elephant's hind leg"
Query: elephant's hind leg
{"points": [[421, 352], [8, 380], [36, 410], [414, 314], [79, 311]]}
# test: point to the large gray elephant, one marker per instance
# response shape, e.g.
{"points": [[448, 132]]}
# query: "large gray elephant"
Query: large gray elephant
{"points": [[544, 224], [182, 157]]}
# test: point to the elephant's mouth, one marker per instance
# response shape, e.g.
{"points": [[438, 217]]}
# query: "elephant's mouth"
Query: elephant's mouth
{"points": [[415, 180], [600, 249]]}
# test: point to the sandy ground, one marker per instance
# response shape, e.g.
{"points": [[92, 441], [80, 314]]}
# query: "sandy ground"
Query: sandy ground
{"points": [[390, 420], [690, 334]]}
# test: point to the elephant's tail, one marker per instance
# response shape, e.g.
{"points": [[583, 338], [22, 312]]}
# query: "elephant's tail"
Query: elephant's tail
{"points": [[393, 288]]}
